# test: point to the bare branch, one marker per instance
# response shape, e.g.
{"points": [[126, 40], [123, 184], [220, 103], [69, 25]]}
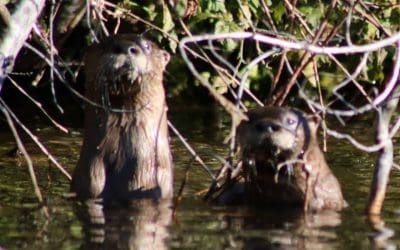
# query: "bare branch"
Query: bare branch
{"points": [[384, 161], [394, 80], [21, 23], [39, 105], [294, 45], [21, 147], [247, 71], [196, 157], [35, 139]]}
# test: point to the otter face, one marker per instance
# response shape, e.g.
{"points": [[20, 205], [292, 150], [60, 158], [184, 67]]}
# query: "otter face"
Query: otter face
{"points": [[129, 61], [279, 133], [272, 133], [120, 64]]}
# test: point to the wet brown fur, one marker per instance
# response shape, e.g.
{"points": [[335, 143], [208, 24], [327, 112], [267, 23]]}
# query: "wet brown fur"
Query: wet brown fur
{"points": [[281, 163], [125, 152]]}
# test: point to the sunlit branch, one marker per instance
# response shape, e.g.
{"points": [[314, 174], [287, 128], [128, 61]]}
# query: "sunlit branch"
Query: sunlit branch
{"points": [[348, 23], [384, 161], [247, 69], [52, 51], [285, 44], [393, 80], [21, 23], [355, 143], [233, 77]]}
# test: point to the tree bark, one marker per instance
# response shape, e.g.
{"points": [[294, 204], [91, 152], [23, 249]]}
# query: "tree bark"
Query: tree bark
{"points": [[384, 160], [21, 24]]}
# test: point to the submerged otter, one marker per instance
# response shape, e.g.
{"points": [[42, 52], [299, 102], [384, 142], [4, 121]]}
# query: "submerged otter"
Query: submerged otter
{"points": [[125, 152], [280, 162]]}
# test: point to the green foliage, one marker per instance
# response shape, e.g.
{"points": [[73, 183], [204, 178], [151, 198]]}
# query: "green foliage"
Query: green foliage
{"points": [[278, 12], [313, 14], [213, 6], [300, 22]]}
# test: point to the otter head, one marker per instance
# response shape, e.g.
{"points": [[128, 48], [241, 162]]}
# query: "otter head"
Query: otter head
{"points": [[120, 67], [273, 135]]}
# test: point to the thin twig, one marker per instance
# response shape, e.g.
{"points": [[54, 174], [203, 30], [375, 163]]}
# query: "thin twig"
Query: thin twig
{"points": [[52, 49], [39, 105], [35, 139], [294, 45], [28, 160], [190, 149]]}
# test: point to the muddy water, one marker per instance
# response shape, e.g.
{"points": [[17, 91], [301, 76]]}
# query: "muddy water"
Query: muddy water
{"points": [[192, 225]]}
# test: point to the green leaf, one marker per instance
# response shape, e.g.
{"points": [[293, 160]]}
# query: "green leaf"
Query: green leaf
{"points": [[172, 42], [395, 18], [214, 6], [180, 7], [278, 10], [254, 5], [227, 25], [370, 32], [312, 14], [245, 12], [168, 23], [219, 84], [309, 74], [329, 80], [151, 11]]}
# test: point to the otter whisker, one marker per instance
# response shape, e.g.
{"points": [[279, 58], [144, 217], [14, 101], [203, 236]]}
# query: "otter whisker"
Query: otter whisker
{"points": [[105, 100]]}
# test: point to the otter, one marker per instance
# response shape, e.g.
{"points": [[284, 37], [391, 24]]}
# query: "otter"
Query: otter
{"points": [[125, 152], [280, 163]]}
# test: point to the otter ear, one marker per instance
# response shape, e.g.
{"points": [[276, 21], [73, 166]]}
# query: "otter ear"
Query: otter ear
{"points": [[165, 57], [313, 122]]}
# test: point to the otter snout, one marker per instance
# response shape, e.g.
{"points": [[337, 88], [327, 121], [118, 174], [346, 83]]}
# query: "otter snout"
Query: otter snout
{"points": [[139, 53], [276, 135]]}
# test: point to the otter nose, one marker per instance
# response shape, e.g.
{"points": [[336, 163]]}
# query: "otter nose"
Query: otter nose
{"points": [[267, 127], [273, 128]]}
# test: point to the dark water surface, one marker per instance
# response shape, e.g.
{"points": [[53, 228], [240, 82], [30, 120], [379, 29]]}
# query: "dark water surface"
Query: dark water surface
{"points": [[193, 224]]}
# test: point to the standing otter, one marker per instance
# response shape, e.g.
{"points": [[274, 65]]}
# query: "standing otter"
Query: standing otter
{"points": [[125, 152], [281, 162]]}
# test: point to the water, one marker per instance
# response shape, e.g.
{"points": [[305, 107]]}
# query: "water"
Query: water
{"points": [[193, 224]]}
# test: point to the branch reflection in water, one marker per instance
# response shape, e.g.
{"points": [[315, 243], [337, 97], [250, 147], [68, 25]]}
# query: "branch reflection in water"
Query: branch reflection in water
{"points": [[380, 239], [140, 225]]}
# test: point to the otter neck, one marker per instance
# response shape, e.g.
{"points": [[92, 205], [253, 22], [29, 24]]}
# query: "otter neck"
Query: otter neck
{"points": [[143, 135], [148, 94]]}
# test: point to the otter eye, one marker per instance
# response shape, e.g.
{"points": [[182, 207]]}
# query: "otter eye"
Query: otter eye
{"points": [[133, 50], [290, 121], [146, 46]]}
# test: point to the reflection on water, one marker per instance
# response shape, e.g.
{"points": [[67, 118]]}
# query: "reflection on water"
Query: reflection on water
{"points": [[254, 228], [299, 231], [382, 237], [141, 225], [193, 225]]}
